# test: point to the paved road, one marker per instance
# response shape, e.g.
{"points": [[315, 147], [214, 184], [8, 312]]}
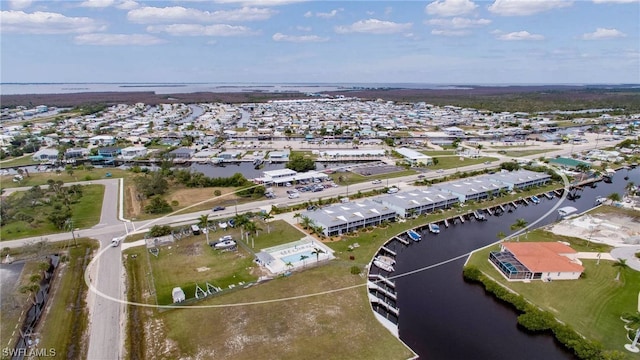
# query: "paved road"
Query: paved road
{"points": [[106, 318]]}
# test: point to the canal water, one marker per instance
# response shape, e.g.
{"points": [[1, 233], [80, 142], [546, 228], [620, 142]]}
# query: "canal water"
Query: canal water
{"points": [[443, 317]]}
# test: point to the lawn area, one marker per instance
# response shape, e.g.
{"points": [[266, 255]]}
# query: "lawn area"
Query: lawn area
{"points": [[19, 161], [350, 178], [190, 260], [40, 178], [65, 324], [341, 323], [518, 153], [450, 162], [85, 213], [592, 305], [438, 152]]}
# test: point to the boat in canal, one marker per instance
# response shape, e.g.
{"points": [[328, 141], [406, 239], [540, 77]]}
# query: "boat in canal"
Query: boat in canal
{"points": [[383, 265], [414, 235], [434, 228], [535, 199]]}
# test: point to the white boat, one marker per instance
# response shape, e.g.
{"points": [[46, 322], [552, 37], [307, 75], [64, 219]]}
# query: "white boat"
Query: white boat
{"points": [[566, 211], [386, 259], [224, 244], [434, 228], [384, 266], [535, 199], [222, 225]]}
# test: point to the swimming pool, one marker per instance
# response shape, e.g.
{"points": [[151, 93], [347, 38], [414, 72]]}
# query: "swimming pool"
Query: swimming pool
{"points": [[296, 257]]}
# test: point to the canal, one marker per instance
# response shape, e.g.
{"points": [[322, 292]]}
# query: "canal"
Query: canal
{"points": [[442, 317]]}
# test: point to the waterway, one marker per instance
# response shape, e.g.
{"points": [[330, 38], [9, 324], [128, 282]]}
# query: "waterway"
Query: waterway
{"points": [[442, 317]]}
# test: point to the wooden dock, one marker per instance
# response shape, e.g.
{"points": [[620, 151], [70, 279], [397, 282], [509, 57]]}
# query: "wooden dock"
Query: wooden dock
{"points": [[383, 279], [387, 293], [461, 219], [389, 251], [402, 240]]}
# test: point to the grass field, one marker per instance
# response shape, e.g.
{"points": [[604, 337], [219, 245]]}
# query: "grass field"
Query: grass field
{"points": [[435, 153], [592, 305], [191, 260], [350, 178], [450, 162], [66, 322], [85, 214], [40, 178], [19, 161], [518, 153]]}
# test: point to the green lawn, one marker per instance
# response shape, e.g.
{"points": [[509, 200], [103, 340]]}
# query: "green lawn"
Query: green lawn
{"points": [[450, 162], [518, 153], [19, 161], [65, 324], [435, 153], [85, 214], [281, 233], [592, 305], [78, 175], [350, 178]]}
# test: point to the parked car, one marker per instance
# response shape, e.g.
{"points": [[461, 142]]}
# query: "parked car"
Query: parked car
{"points": [[440, 171], [377, 181], [420, 176], [218, 208]]}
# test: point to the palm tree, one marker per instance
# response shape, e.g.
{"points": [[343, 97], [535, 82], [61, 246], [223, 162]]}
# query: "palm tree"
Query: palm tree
{"points": [[622, 265], [239, 220], [614, 197], [297, 216], [289, 264], [306, 222], [319, 230], [630, 188], [501, 235], [317, 252], [519, 224], [582, 167], [303, 258], [266, 219], [632, 321], [32, 289], [203, 221]]}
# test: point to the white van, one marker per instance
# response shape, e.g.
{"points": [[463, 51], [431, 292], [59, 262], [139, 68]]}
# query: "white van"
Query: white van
{"points": [[294, 195], [393, 190]]}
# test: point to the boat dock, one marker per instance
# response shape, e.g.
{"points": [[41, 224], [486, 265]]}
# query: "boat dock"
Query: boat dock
{"points": [[402, 240], [389, 251], [383, 279], [558, 192], [461, 219], [390, 308], [548, 196], [525, 201], [446, 223], [489, 211], [387, 293], [513, 203]]}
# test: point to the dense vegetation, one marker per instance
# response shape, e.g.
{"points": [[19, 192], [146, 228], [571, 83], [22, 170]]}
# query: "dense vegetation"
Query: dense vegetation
{"points": [[534, 319], [300, 163]]}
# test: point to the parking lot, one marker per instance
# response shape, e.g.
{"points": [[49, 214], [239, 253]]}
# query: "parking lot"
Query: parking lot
{"points": [[376, 169]]}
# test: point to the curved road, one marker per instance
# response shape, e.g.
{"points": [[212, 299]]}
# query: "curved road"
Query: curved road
{"points": [[106, 317]]}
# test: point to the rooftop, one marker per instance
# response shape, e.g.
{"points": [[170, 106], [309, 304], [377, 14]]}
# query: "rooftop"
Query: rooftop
{"points": [[544, 256]]}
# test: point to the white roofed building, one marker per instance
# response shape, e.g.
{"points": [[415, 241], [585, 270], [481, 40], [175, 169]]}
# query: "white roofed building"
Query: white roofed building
{"points": [[414, 157]]}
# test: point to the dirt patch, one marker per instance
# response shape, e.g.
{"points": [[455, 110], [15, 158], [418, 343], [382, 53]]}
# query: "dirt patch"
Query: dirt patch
{"points": [[203, 269], [133, 207]]}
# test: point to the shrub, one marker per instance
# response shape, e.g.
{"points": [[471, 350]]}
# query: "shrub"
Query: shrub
{"points": [[536, 320], [355, 270], [160, 230]]}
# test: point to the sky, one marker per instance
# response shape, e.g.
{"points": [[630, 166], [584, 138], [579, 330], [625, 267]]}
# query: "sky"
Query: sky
{"points": [[296, 41]]}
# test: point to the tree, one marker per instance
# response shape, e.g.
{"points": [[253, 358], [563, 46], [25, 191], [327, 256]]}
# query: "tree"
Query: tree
{"points": [[632, 320], [306, 222], [267, 217], [299, 163], [614, 197], [435, 161], [622, 266], [203, 221], [319, 230], [317, 252], [297, 216], [583, 167], [303, 258], [630, 188], [519, 224], [238, 221], [158, 205], [32, 289], [501, 235]]}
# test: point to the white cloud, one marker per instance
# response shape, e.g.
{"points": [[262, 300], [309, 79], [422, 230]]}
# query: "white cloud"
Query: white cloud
{"points": [[97, 3], [450, 7], [458, 22], [441, 32], [259, 2], [303, 28], [46, 23], [615, 1], [202, 30], [155, 15], [526, 7], [602, 33], [298, 39], [374, 26], [127, 5], [117, 39], [520, 35], [328, 15], [19, 4], [308, 14]]}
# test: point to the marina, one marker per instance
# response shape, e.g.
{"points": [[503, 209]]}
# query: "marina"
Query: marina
{"points": [[414, 235], [433, 228]]}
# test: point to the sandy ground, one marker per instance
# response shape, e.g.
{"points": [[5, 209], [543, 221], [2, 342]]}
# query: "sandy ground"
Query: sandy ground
{"points": [[602, 228]]}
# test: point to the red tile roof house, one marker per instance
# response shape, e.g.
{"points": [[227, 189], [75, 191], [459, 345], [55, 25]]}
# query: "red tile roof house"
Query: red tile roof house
{"points": [[523, 261]]}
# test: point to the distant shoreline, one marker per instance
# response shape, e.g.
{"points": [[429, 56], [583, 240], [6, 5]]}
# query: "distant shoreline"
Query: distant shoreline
{"points": [[496, 98]]}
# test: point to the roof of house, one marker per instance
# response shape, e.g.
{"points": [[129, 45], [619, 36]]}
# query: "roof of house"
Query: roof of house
{"points": [[543, 256]]}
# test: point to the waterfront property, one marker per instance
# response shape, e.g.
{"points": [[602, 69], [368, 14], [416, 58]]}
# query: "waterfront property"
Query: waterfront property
{"points": [[294, 255], [473, 189], [418, 201], [537, 261], [345, 217], [520, 179], [282, 176]]}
